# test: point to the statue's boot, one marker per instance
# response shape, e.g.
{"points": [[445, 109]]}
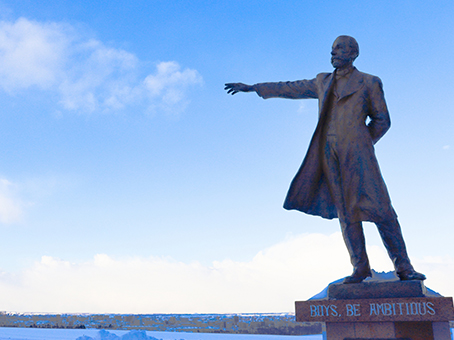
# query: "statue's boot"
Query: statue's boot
{"points": [[391, 235], [356, 244]]}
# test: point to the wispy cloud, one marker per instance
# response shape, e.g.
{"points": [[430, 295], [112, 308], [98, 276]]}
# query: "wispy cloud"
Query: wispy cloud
{"points": [[86, 74], [294, 269], [307, 107], [11, 207], [169, 84], [17, 196]]}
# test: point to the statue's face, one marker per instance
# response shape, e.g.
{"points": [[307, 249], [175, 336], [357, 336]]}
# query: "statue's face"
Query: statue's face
{"points": [[341, 53]]}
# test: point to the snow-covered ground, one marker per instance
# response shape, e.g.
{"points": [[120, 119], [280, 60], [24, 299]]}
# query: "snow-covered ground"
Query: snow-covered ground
{"points": [[15, 333]]}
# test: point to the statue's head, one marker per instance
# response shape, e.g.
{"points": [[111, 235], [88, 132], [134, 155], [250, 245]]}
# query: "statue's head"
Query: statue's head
{"points": [[345, 50]]}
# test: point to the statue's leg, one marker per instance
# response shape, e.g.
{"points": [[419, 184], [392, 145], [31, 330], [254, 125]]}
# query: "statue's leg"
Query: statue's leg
{"points": [[332, 172], [356, 245], [352, 232], [391, 235]]}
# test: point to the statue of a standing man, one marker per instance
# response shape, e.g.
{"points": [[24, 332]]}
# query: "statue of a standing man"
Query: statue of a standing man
{"points": [[340, 176]]}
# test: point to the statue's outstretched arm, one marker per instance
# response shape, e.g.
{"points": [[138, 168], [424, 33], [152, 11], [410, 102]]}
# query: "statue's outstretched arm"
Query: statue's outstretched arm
{"points": [[233, 88]]}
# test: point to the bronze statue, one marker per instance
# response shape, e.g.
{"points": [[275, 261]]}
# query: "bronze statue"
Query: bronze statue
{"points": [[340, 176]]}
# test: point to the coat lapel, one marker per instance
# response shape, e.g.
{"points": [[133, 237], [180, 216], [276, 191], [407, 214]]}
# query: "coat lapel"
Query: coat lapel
{"points": [[327, 89], [355, 82]]}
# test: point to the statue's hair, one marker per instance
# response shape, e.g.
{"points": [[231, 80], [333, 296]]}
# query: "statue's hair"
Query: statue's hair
{"points": [[352, 43]]}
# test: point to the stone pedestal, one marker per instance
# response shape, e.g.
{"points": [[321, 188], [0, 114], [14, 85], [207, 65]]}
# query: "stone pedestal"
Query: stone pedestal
{"points": [[380, 310]]}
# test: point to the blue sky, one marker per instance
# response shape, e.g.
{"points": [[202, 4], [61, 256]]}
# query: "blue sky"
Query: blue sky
{"points": [[120, 146]]}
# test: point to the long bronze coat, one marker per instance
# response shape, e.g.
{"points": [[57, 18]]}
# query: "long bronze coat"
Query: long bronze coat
{"points": [[363, 189]]}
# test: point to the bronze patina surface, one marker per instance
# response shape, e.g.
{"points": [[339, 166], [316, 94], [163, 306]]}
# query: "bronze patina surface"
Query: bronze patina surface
{"points": [[340, 176]]}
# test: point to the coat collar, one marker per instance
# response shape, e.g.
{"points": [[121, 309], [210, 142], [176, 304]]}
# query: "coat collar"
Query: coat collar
{"points": [[354, 83]]}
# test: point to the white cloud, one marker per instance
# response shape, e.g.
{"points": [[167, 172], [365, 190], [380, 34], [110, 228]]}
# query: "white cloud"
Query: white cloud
{"points": [[294, 269], [86, 74], [169, 83], [31, 54]]}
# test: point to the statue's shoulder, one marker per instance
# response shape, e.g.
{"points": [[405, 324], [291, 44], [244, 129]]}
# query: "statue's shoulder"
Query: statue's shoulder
{"points": [[369, 78], [322, 77]]}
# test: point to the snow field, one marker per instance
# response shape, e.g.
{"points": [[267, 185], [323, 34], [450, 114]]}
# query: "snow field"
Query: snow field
{"points": [[14, 333]]}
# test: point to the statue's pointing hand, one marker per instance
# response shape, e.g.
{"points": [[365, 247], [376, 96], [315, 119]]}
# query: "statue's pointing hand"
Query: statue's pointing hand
{"points": [[233, 88]]}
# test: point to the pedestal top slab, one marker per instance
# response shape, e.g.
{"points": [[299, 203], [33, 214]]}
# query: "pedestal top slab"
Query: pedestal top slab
{"points": [[378, 290]]}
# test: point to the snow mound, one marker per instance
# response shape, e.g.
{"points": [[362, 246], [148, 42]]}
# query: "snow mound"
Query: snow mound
{"points": [[132, 335], [376, 277]]}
